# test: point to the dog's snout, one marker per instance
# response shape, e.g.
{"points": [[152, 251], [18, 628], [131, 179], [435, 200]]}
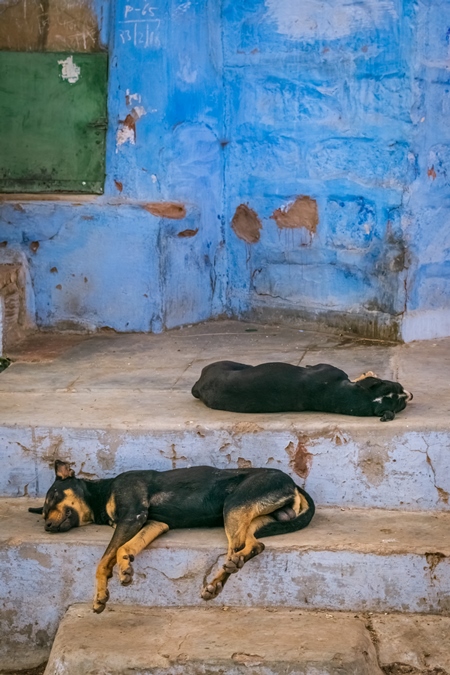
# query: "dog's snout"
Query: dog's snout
{"points": [[50, 526]]}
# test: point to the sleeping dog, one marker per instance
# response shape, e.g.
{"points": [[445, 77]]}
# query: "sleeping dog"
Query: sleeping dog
{"points": [[281, 387], [141, 505]]}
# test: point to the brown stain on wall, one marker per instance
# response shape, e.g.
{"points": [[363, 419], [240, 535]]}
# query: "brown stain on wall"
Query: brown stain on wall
{"points": [[301, 213], [443, 495], [187, 233], [12, 290], [130, 122], [372, 460], [433, 559], [246, 225], [49, 25], [245, 428], [72, 25], [173, 210], [244, 463], [300, 458]]}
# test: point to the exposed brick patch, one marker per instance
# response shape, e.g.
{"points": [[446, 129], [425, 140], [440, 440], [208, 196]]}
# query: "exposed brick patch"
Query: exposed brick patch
{"points": [[300, 459], [173, 210], [301, 213], [246, 225]]}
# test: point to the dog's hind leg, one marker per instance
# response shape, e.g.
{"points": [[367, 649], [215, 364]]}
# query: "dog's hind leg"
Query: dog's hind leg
{"points": [[363, 376], [245, 511], [241, 542], [252, 547], [127, 553]]}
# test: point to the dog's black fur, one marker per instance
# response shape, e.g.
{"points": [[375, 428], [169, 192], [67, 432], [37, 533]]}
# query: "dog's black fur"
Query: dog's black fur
{"points": [[250, 503], [281, 387]]}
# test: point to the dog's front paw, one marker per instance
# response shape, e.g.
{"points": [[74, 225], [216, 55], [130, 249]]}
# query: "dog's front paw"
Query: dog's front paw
{"points": [[100, 601], [126, 570], [387, 416], [211, 590]]}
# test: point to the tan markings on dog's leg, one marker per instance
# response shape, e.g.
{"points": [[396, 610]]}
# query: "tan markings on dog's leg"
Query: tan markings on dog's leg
{"points": [[300, 503], [127, 552], [124, 532], [103, 573], [238, 520], [364, 375], [251, 548], [297, 506], [111, 507]]}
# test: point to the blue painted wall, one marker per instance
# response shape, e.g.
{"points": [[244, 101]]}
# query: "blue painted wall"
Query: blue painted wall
{"points": [[220, 104], [346, 102], [107, 261]]}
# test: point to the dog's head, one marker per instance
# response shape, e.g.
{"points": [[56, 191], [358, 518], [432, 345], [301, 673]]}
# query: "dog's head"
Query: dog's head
{"points": [[388, 397], [65, 506]]}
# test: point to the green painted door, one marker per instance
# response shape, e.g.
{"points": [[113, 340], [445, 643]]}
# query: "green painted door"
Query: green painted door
{"points": [[53, 121]]}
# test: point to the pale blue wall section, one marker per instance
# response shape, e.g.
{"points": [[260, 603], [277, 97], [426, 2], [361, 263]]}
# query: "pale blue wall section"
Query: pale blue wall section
{"points": [[165, 80], [320, 103], [427, 208], [90, 265], [214, 104]]}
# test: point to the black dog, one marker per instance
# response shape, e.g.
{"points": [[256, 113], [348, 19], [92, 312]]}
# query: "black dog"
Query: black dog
{"points": [[281, 387], [250, 503]]}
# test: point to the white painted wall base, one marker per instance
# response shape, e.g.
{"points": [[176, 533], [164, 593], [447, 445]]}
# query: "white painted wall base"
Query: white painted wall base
{"points": [[426, 325]]}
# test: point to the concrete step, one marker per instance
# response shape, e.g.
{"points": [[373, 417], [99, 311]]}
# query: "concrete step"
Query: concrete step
{"points": [[110, 403], [355, 560], [189, 641]]}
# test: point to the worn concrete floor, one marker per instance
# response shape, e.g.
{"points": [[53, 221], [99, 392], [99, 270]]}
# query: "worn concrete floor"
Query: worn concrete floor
{"points": [[141, 381], [109, 402]]}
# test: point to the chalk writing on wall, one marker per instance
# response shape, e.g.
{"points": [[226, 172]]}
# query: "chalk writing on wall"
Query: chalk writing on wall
{"points": [[140, 26]]}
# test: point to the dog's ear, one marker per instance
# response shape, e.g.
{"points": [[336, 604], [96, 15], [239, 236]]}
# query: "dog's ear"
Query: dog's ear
{"points": [[368, 382], [63, 470], [36, 509]]}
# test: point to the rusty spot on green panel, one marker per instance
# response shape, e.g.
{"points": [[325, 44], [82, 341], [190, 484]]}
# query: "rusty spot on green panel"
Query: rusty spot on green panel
{"points": [[53, 121]]}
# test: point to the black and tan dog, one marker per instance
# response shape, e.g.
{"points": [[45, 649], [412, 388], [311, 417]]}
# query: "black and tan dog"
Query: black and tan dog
{"points": [[282, 387], [141, 505]]}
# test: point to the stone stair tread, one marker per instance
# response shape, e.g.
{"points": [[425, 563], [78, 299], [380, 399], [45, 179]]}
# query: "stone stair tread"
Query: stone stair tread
{"points": [[353, 559], [145, 640], [378, 531], [114, 380], [110, 403], [186, 640]]}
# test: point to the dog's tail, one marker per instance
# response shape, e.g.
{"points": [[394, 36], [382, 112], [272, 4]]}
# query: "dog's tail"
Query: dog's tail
{"points": [[303, 519], [37, 509]]}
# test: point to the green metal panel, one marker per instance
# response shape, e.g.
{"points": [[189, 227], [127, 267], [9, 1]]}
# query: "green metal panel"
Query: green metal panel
{"points": [[52, 130]]}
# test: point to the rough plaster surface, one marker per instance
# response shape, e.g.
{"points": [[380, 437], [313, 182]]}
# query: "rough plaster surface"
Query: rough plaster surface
{"points": [[258, 104], [421, 643], [53, 25], [355, 560], [111, 403], [192, 641], [342, 102]]}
